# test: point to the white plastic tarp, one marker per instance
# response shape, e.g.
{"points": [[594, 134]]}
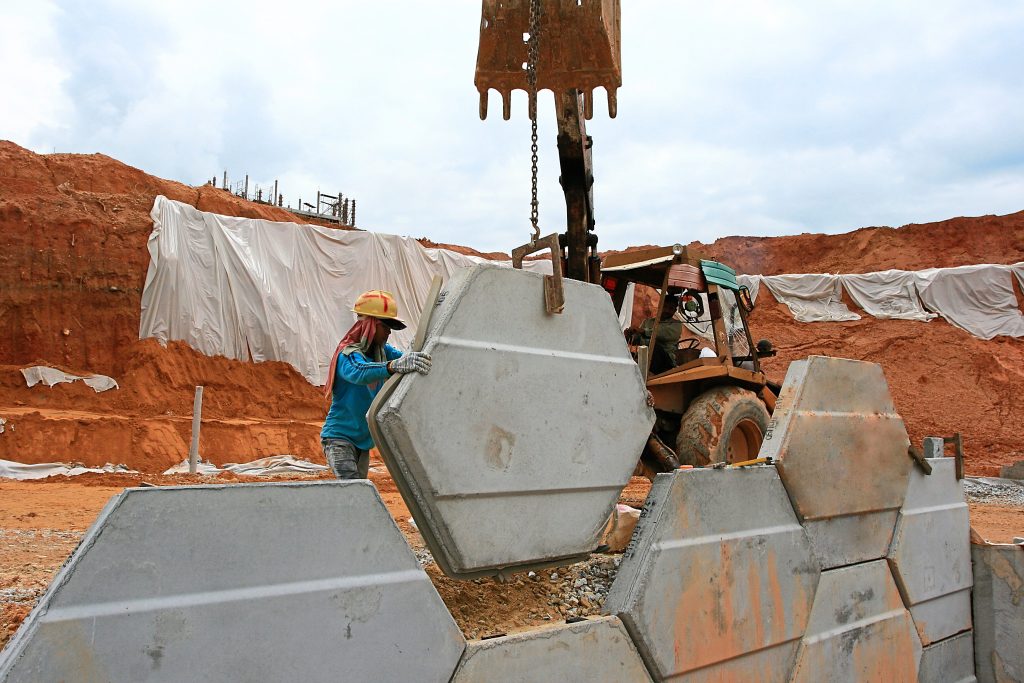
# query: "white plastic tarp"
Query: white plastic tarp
{"points": [[17, 470], [887, 294], [275, 464], [50, 376], [262, 290], [979, 299], [752, 283], [810, 297]]}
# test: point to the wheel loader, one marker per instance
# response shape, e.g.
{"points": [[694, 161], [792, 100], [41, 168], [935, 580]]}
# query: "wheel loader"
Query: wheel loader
{"points": [[712, 407]]}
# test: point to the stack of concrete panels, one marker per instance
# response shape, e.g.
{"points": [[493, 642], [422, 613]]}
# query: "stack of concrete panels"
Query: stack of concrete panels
{"points": [[300, 582], [841, 449], [512, 452], [931, 561], [890, 546], [999, 612]]}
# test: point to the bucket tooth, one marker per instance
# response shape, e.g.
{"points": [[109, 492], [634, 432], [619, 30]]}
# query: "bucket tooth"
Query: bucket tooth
{"points": [[613, 102], [506, 104], [579, 46], [588, 104], [483, 105]]}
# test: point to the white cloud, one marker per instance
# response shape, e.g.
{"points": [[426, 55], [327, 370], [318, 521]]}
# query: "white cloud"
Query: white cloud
{"points": [[742, 117]]}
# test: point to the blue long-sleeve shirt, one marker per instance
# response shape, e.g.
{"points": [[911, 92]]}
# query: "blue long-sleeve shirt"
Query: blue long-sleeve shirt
{"points": [[356, 382]]}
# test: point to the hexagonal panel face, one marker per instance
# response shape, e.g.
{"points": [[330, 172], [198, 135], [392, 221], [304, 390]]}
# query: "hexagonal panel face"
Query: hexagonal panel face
{"points": [[593, 650], [718, 580], [512, 452], [842, 452], [949, 661], [244, 582], [859, 629], [931, 554]]}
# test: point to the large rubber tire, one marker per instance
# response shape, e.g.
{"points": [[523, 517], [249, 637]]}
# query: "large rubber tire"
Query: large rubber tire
{"points": [[724, 424]]}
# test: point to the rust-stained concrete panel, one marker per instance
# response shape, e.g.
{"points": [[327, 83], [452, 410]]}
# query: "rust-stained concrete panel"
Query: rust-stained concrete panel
{"points": [[512, 452], [597, 651], [998, 612], [931, 556], [859, 630], [841, 450], [718, 580]]}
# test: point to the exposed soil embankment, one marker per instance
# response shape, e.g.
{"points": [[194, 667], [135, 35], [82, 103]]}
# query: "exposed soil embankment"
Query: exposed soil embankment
{"points": [[74, 231]]}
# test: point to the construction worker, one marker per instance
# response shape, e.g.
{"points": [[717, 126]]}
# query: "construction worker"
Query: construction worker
{"points": [[361, 364], [670, 329]]}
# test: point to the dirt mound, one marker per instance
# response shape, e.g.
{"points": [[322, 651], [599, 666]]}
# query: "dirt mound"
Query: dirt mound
{"points": [[953, 242], [75, 229]]}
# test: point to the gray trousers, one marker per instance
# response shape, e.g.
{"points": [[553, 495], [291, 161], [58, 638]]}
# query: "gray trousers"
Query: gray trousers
{"points": [[345, 459]]}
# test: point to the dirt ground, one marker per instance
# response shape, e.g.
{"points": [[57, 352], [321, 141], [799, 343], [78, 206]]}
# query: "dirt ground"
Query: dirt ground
{"points": [[42, 521]]}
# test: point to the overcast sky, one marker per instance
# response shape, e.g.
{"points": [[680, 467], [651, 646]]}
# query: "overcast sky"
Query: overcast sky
{"points": [[743, 117]]}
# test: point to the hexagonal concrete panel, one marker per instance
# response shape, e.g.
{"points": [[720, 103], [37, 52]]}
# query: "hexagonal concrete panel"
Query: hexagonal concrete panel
{"points": [[512, 452], [859, 630], [594, 650], [298, 582], [841, 450], [718, 580], [930, 556], [949, 661]]}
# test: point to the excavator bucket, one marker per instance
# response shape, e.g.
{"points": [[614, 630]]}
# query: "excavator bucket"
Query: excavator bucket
{"points": [[579, 49]]}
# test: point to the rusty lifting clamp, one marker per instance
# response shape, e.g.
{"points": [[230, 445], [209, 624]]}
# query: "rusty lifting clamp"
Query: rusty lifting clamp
{"points": [[554, 295]]}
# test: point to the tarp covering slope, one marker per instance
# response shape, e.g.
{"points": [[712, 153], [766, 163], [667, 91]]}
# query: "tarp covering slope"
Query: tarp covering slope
{"points": [[810, 297], [887, 294], [261, 290], [978, 299]]}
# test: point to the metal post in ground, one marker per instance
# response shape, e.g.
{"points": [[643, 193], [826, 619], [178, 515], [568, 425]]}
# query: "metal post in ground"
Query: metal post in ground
{"points": [[197, 417]]}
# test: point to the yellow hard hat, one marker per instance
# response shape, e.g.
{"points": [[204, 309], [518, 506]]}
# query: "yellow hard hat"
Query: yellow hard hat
{"points": [[379, 304]]}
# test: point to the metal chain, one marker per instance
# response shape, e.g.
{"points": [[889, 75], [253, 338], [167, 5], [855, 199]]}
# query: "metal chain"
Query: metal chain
{"points": [[531, 80]]}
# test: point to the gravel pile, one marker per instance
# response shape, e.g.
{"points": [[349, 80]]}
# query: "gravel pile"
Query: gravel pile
{"points": [[994, 491], [579, 590]]}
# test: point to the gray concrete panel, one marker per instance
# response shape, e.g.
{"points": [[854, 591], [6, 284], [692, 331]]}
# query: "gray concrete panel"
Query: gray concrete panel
{"points": [[839, 541], [998, 612], [949, 661], [305, 581], [841, 451], [512, 452], [598, 650], [930, 555], [858, 630], [718, 580]]}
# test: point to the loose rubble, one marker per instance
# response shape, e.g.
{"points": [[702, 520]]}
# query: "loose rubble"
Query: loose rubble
{"points": [[994, 491]]}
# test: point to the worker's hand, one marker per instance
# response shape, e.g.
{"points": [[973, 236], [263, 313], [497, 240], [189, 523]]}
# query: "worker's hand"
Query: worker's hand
{"points": [[414, 361], [650, 399]]}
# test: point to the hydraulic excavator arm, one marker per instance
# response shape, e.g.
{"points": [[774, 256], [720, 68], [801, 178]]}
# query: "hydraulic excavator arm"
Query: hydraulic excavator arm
{"points": [[575, 49]]}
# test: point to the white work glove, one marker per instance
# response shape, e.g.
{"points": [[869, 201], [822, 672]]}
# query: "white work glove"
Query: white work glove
{"points": [[414, 361]]}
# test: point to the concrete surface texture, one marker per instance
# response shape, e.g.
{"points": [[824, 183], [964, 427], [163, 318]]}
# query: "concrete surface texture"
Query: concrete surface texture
{"points": [[597, 651], [310, 581], [718, 581], [998, 612], [841, 451], [512, 452], [858, 630], [930, 556], [1014, 471], [949, 661]]}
